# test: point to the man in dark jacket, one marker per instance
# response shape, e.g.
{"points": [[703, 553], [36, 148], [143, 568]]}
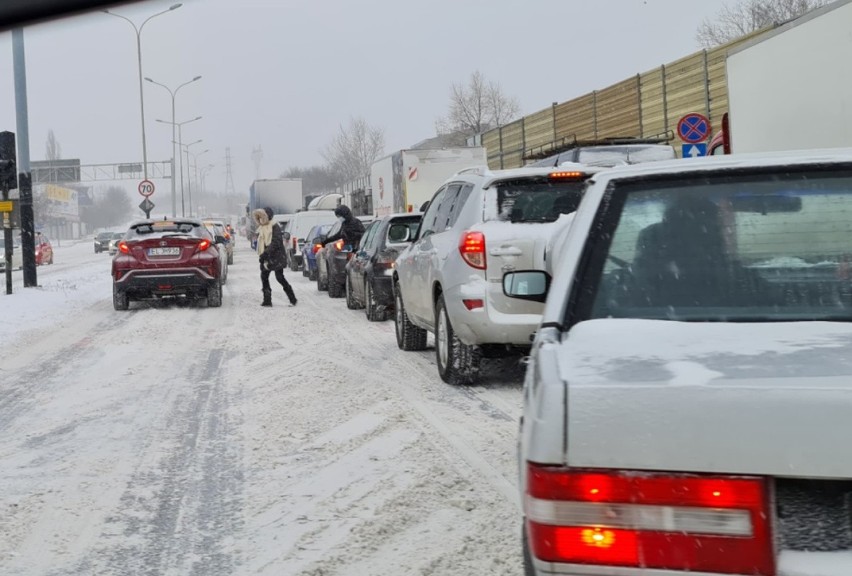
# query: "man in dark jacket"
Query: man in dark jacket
{"points": [[351, 230], [270, 250]]}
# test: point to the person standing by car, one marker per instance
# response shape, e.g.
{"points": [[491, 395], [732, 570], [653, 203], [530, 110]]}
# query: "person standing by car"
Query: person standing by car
{"points": [[270, 250], [351, 230]]}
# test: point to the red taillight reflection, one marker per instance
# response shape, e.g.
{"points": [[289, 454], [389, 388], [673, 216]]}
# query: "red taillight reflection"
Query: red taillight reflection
{"points": [[123, 247], [473, 304], [472, 249]]}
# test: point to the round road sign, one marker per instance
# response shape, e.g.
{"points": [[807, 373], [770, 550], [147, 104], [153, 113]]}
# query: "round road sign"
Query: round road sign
{"points": [[146, 188], [693, 128]]}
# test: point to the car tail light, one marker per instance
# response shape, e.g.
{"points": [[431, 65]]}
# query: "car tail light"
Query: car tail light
{"points": [[295, 243], [472, 248], [203, 245], [473, 304], [567, 175], [316, 248], [123, 247], [339, 245], [668, 522]]}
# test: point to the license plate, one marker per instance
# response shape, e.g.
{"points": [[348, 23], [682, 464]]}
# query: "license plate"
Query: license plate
{"points": [[163, 251]]}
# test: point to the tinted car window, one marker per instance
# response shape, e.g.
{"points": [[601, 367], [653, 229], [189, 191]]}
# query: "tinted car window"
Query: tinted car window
{"points": [[446, 206]]}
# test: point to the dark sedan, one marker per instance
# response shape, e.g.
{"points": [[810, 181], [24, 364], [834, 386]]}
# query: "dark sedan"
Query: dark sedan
{"points": [[369, 272]]}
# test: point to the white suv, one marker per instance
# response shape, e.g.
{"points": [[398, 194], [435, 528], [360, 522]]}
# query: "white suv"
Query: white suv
{"points": [[479, 225]]}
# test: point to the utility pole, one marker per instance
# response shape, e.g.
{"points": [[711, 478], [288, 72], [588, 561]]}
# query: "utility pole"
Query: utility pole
{"points": [[25, 187]]}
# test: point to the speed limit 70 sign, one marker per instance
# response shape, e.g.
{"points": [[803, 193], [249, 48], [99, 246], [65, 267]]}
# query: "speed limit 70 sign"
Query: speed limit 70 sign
{"points": [[146, 188]]}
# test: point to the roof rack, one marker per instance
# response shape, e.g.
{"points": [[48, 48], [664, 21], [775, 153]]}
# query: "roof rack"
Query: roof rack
{"points": [[570, 142]]}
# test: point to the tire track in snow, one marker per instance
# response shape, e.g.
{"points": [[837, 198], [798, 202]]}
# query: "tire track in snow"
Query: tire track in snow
{"points": [[176, 518]]}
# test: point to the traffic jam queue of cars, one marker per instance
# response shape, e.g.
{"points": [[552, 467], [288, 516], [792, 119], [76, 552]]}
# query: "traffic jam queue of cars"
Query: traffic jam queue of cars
{"points": [[687, 326], [687, 330]]}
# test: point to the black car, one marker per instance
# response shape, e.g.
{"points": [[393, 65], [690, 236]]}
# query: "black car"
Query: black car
{"points": [[102, 242], [332, 259], [370, 272]]}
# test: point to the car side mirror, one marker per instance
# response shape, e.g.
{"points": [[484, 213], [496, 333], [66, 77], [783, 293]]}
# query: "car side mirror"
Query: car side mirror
{"points": [[399, 233], [527, 285]]}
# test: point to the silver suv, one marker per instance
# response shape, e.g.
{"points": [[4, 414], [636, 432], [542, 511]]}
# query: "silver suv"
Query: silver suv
{"points": [[479, 225]]}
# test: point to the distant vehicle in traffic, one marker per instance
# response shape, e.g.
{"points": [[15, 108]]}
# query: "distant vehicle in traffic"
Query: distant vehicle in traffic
{"points": [[369, 282], [112, 245], [102, 242], [43, 250], [167, 259], [310, 248], [332, 259], [224, 239], [296, 232], [17, 256]]}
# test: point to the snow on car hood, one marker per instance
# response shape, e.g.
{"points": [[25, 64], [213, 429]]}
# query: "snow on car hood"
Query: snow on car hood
{"points": [[749, 398]]}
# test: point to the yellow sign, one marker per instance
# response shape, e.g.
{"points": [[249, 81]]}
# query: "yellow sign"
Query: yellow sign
{"points": [[6, 206], [61, 194]]}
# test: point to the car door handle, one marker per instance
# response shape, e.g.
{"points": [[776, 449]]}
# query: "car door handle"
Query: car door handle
{"points": [[506, 251]]}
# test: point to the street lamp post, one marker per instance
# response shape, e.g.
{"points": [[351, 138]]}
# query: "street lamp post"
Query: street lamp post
{"points": [[173, 94], [204, 172], [138, 31], [188, 175], [180, 144]]}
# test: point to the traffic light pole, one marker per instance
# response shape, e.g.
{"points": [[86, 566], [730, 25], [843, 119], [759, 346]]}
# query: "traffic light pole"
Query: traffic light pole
{"points": [[25, 187]]}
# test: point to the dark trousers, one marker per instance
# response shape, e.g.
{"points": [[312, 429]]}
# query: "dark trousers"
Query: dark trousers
{"points": [[279, 275]]}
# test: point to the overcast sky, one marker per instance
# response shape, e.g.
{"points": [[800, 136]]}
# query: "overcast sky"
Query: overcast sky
{"points": [[284, 74]]}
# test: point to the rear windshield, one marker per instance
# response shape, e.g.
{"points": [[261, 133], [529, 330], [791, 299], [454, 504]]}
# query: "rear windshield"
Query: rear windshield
{"points": [[537, 200], [745, 247], [164, 228]]}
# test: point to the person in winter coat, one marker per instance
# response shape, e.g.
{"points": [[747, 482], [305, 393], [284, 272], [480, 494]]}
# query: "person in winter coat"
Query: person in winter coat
{"points": [[270, 250], [351, 230]]}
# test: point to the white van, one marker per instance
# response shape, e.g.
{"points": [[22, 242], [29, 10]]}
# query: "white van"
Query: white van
{"points": [[297, 229]]}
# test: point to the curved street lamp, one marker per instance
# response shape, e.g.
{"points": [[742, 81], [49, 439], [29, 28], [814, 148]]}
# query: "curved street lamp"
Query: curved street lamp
{"points": [[138, 30], [173, 94]]}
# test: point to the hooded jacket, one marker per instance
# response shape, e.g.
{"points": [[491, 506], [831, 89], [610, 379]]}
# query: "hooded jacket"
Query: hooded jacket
{"points": [[351, 230], [270, 240]]}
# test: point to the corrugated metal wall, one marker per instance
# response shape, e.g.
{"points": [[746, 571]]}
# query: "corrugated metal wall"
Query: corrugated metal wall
{"points": [[647, 105]]}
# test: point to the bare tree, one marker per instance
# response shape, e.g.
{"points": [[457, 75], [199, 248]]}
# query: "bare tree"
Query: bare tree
{"points": [[354, 149], [477, 107], [52, 149], [735, 21]]}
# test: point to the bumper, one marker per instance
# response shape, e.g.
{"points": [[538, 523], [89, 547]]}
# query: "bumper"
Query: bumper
{"points": [[486, 325], [165, 282], [383, 291]]}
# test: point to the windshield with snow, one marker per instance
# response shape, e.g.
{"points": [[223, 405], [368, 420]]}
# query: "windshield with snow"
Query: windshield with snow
{"points": [[744, 247]]}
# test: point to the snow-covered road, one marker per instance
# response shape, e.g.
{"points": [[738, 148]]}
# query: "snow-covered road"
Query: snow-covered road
{"points": [[175, 440]]}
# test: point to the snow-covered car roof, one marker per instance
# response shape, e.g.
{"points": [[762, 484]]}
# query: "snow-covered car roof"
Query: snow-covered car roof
{"points": [[733, 161]]}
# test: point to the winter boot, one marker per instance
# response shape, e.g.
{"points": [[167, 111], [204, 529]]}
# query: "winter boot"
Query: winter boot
{"points": [[289, 291], [267, 298]]}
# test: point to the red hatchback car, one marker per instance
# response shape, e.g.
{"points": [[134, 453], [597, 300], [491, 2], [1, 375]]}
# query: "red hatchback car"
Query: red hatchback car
{"points": [[166, 258], [43, 250]]}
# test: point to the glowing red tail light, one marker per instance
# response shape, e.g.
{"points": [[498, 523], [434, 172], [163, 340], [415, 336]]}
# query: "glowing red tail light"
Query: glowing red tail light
{"points": [[316, 248], [123, 247], [203, 245], [339, 245], [472, 249], [681, 522]]}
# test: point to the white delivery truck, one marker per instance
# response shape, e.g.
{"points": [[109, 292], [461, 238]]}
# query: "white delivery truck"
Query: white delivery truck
{"points": [[791, 88], [283, 195], [407, 179]]}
